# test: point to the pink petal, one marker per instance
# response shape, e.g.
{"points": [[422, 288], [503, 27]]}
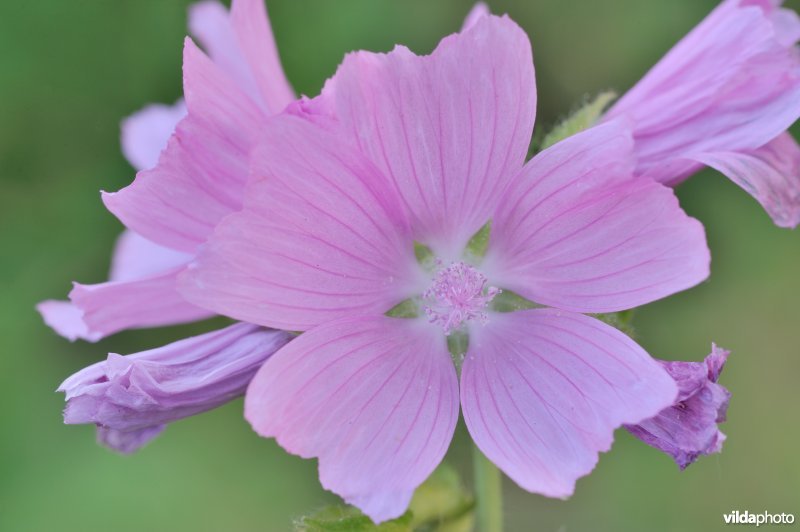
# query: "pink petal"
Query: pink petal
{"points": [[107, 308], [136, 257], [543, 390], [771, 174], [374, 398], [146, 132], [321, 236], [201, 175], [449, 129], [480, 9], [241, 44], [67, 320], [254, 34], [578, 232], [732, 84]]}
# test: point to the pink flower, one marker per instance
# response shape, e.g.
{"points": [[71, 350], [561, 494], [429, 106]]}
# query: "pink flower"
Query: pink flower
{"points": [[429, 150], [181, 193], [724, 97]]}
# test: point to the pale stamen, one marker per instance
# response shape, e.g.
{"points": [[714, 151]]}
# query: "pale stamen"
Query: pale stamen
{"points": [[458, 294]]}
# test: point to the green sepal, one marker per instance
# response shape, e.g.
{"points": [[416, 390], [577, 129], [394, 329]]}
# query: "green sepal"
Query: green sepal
{"points": [[508, 301], [407, 308], [424, 255], [582, 119], [479, 243], [457, 344]]}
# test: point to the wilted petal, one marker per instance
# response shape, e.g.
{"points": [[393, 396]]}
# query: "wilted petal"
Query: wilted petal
{"points": [[543, 391], [732, 84], [127, 442], [130, 397], [375, 399], [449, 129], [771, 174], [146, 132], [201, 175], [688, 429], [322, 236], [577, 231]]}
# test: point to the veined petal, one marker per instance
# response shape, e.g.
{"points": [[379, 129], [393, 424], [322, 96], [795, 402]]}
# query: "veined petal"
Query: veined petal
{"points": [[449, 129], [771, 174], [577, 231], [543, 390], [201, 175], [321, 236], [130, 398], [374, 398], [146, 132], [151, 301], [254, 33], [241, 44], [731, 84]]}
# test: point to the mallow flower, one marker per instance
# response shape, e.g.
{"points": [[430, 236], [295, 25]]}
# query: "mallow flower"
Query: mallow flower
{"points": [[377, 206], [180, 193], [724, 97], [196, 180], [688, 429]]}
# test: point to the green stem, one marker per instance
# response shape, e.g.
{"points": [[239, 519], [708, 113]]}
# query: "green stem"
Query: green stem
{"points": [[488, 493]]}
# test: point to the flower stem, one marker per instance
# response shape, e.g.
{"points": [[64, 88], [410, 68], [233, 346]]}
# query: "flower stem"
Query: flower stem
{"points": [[488, 493]]}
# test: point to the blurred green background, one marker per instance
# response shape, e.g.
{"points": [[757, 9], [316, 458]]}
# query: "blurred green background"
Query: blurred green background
{"points": [[70, 71]]}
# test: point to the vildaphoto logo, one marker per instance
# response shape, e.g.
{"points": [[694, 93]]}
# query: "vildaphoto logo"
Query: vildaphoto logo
{"points": [[764, 518]]}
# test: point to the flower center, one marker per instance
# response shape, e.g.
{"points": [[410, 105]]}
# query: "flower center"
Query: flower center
{"points": [[458, 294]]}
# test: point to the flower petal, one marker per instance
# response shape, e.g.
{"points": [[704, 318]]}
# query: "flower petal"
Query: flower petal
{"points": [[688, 429], [543, 390], [731, 84], [374, 398], [146, 132], [771, 174], [130, 398], [201, 175], [449, 129], [254, 33], [67, 320], [107, 308], [578, 232], [322, 236], [480, 9], [135, 257]]}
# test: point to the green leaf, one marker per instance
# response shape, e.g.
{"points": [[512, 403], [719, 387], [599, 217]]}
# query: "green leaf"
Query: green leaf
{"points": [[477, 245], [349, 519], [442, 504], [583, 118], [508, 301], [405, 309]]}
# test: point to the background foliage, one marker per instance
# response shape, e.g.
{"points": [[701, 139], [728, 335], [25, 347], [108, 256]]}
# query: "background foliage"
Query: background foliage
{"points": [[69, 71]]}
